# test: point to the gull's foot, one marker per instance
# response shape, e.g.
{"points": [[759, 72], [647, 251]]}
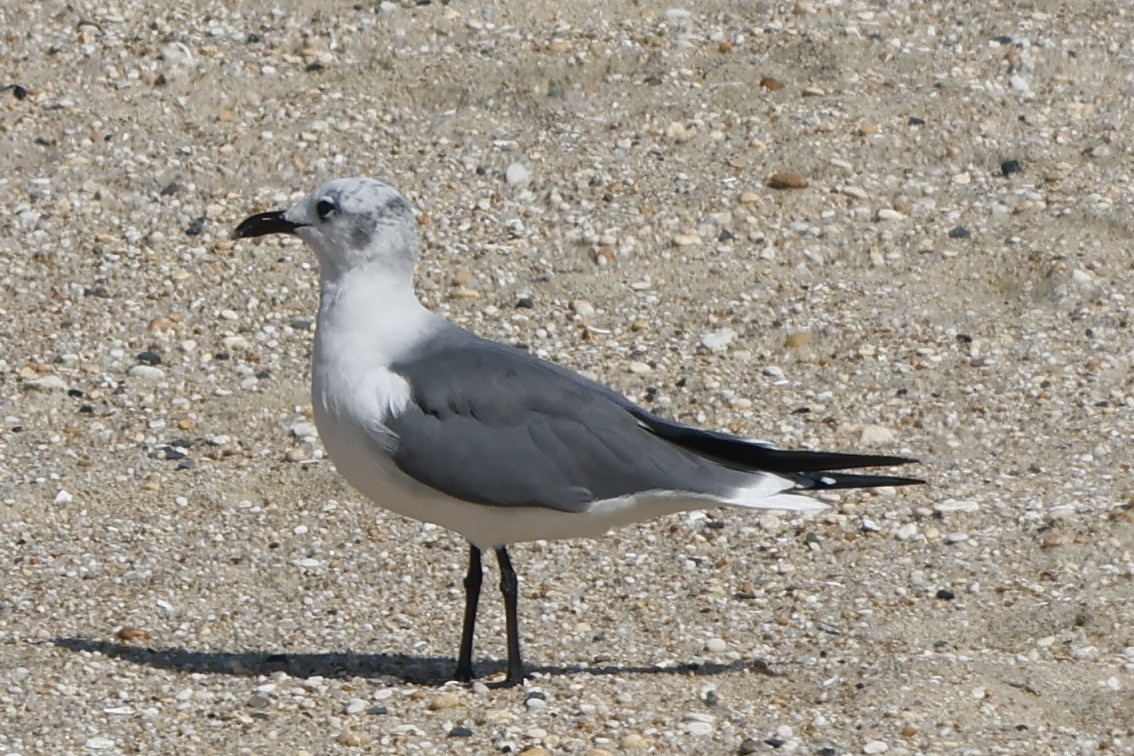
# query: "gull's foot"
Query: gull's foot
{"points": [[463, 673]]}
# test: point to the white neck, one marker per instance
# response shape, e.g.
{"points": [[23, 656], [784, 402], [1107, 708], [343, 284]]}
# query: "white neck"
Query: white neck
{"points": [[368, 318]]}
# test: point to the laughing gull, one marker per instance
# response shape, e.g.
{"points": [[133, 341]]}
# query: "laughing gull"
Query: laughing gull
{"points": [[438, 424]]}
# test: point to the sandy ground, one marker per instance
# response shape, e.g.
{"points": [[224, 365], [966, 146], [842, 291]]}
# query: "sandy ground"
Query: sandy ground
{"points": [[181, 570]]}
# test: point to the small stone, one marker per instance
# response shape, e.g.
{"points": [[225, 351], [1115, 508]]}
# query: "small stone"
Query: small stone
{"points": [[718, 340], [445, 701], [535, 751], [147, 373], [685, 240], [356, 706], [747, 746], [127, 634], [149, 358], [303, 430], [63, 497], [875, 746], [909, 731], [49, 382], [353, 739], [866, 129], [698, 729], [785, 180], [582, 308], [771, 84], [716, 645], [749, 198], [959, 232], [99, 743], [517, 174], [461, 732], [856, 192], [524, 303], [309, 563], [906, 531], [639, 368], [1008, 167], [876, 434], [945, 594], [535, 702], [888, 214], [950, 506], [798, 340], [633, 742], [813, 91], [963, 178], [956, 537]]}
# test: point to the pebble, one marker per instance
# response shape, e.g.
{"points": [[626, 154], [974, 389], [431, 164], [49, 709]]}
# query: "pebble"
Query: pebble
{"points": [[718, 340], [303, 430], [685, 240], [583, 308], [956, 537], [771, 83], [748, 746], [99, 743], [875, 746], [876, 434], [353, 739], [716, 645], [63, 497], [461, 732], [357, 706], [798, 340], [952, 506], [698, 729], [639, 368], [445, 701], [147, 373], [888, 214], [517, 174], [945, 594], [633, 742], [906, 532], [785, 180], [959, 232], [49, 382], [749, 198]]}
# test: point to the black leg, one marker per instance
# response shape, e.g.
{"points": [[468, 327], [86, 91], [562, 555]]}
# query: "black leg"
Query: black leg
{"points": [[509, 587], [473, 577]]}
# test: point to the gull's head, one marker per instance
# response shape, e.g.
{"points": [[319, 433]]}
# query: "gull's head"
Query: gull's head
{"points": [[350, 223]]}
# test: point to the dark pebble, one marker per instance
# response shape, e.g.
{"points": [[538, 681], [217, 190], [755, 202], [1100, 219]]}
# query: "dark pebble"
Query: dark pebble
{"points": [[715, 524], [481, 170], [1003, 39], [826, 751], [460, 732], [725, 235], [196, 226], [186, 464], [181, 443], [525, 303], [170, 189], [87, 409], [711, 698], [74, 393], [253, 38], [535, 694], [748, 745], [301, 324], [945, 593], [915, 121], [19, 92], [557, 93], [959, 232], [774, 742], [964, 338], [377, 710], [313, 67], [172, 452], [1008, 167], [149, 358]]}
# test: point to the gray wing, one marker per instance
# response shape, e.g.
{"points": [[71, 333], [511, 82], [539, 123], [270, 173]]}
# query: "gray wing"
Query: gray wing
{"points": [[490, 424]]}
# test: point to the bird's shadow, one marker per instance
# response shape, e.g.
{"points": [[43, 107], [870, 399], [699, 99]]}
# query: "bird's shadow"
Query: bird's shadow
{"points": [[391, 668]]}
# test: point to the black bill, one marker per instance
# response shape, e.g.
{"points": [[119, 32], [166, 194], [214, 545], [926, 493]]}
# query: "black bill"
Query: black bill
{"points": [[261, 224]]}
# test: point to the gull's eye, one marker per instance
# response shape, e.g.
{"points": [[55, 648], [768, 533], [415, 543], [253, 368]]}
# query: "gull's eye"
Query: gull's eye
{"points": [[325, 208]]}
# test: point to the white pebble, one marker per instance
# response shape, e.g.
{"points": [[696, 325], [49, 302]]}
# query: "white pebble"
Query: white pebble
{"points": [[716, 645], [147, 373], [356, 706], [517, 174], [46, 383], [718, 341], [956, 537], [875, 746], [99, 743], [63, 497]]}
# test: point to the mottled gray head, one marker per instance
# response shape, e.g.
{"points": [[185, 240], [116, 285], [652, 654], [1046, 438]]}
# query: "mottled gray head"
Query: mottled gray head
{"points": [[349, 223]]}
